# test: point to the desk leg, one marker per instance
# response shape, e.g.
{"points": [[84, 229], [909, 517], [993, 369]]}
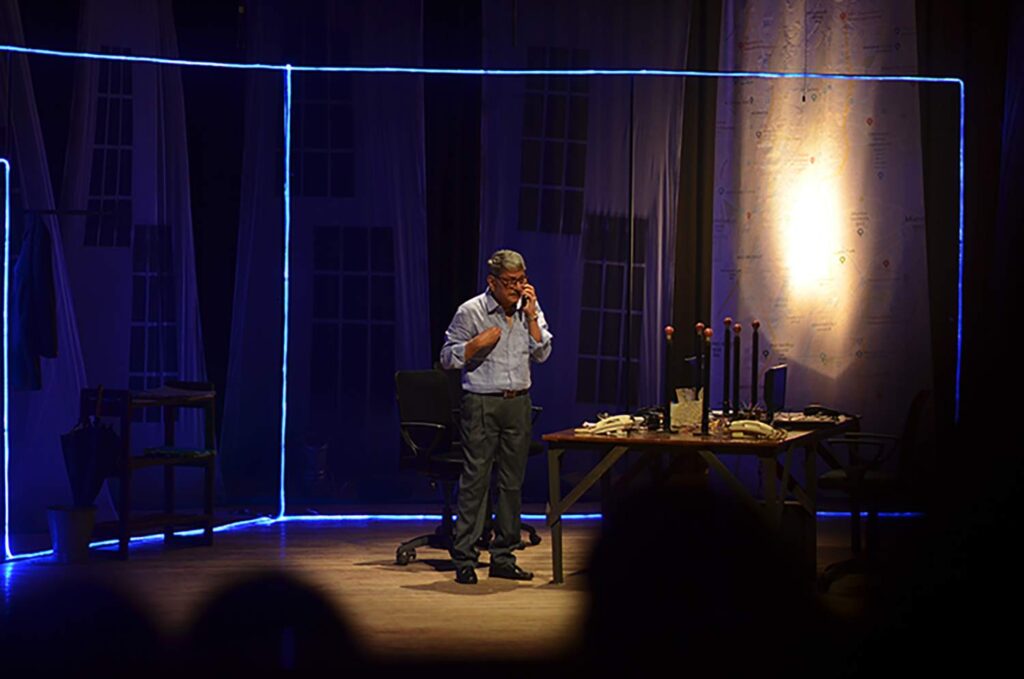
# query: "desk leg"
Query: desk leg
{"points": [[555, 512], [773, 501], [811, 488]]}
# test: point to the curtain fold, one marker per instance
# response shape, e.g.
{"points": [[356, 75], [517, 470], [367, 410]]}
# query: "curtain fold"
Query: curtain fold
{"points": [[556, 185], [358, 304], [819, 221], [38, 416], [128, 231]]}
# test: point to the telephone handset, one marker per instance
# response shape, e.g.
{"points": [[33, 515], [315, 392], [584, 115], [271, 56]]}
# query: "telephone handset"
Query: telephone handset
{"points": [[753, 429], [612, 425]]}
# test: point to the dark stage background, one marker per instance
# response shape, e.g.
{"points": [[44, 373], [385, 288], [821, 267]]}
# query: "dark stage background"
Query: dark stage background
{"points": [[231, 123]]}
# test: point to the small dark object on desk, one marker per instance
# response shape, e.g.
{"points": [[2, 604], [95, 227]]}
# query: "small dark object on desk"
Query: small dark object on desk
{"points": [[803, 421], [816, 409]]}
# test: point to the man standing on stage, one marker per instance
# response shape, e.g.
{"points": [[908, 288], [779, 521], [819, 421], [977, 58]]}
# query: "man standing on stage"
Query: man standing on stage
{"points": [[492, 339]]}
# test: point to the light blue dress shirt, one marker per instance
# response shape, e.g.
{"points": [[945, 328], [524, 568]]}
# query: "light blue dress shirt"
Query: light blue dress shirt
{"points": [[504, 366]]}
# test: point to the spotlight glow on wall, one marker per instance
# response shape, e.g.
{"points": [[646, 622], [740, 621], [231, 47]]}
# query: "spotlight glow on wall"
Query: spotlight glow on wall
{"points": [[288, 69], [811, 210]]}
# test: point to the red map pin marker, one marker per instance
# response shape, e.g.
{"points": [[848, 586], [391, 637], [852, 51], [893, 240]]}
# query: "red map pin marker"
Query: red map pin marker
{"points": [[700, 328], [708, 332], [669, 331], [755, 325], [736, 328]]}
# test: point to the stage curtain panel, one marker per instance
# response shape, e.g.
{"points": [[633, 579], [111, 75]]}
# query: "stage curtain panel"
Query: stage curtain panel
{"points": [[358, 304], [819, 221], [557, 186]]}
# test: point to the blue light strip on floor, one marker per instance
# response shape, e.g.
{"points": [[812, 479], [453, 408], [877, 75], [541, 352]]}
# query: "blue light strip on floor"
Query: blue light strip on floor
{"points": [[262, 521], [287, 285], [409, 517], [288, 69], [7, 283], [881, 515]]}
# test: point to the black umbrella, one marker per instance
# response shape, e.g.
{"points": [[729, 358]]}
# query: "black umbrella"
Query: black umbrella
{"points": [[90, 455]]}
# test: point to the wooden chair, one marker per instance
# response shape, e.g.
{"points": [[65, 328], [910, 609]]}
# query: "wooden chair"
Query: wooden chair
{"points": [[859, 460]]}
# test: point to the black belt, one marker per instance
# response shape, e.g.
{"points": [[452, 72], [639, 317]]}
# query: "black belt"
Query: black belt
{"points": [[508, 393]]}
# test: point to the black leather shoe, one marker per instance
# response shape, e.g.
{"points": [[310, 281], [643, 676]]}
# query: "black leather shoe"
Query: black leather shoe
{"points": [[465, 575], [510, 571]]}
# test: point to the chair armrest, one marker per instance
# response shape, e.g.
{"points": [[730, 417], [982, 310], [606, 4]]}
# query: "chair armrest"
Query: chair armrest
{"points": [[439, 433]]}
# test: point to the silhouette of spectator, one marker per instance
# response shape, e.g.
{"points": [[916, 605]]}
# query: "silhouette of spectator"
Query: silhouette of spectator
{"points": [[271, 622], [88, 627], [686, 579]]}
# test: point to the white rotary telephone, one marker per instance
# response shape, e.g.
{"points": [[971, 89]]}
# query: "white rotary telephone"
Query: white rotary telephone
{"points": [[754, 429], [613, 425]]}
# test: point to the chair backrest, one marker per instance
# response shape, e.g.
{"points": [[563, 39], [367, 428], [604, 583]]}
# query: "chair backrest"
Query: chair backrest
{"points": [[423, 396]]}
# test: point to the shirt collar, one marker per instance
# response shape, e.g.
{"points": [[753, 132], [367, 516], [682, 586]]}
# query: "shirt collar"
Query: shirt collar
{"points": [[491, 303]]}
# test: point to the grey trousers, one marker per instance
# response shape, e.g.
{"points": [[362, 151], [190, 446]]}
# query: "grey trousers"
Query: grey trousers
{"points": [[495, 430]]}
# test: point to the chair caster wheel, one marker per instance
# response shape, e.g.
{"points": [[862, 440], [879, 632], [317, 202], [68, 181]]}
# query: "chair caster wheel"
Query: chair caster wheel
{"points": [[403, 558], [534, 540]]}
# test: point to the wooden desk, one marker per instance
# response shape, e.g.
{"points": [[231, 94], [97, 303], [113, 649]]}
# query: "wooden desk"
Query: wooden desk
{"points": [[778, 483], [123, 404]]}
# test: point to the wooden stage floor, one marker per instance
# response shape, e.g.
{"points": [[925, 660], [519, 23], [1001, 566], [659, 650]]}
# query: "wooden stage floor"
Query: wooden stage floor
{"points": [[412, 612]]}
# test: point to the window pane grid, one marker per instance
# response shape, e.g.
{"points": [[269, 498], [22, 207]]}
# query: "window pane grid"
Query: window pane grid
{"points": [[108, 222], [153, 352], [604, 330], [353, 321], [324, 140], [553, 145]]}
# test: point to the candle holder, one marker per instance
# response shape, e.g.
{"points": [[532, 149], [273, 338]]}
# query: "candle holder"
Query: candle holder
{"points": [[755, 341], [726, 365], [666, 420], [706, 396], [698, 352], [736, 403]]}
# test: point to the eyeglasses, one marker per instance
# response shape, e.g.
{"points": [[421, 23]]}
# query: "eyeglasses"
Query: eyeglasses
{"points": [[513, 282]]}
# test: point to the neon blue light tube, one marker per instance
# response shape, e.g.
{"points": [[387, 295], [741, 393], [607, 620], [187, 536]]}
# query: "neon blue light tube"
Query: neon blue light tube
{"points": [[960, 265], [883, 515], [407, 517], [135, 58], [287, 285], [262, 521], [528, 517], [7, 283], [473, 71]]}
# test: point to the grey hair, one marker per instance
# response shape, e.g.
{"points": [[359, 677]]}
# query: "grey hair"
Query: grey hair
{"points": [[505, 260]]}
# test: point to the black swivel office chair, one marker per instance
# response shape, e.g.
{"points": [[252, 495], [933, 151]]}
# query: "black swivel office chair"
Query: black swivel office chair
{"points": [[431, 448], [863, 479]]}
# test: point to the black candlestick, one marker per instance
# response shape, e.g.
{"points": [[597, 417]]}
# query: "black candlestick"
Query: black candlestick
{"points": [[736, 369], [698, 352], [706, 396], [753, 365], [726, 365], [666, 421]]}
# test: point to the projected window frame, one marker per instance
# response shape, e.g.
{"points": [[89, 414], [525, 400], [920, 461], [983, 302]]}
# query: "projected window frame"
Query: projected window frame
{"points": [[324, 127], [153, 349], [108, 222], [553, 157], [353, 334], [604, 374]]}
